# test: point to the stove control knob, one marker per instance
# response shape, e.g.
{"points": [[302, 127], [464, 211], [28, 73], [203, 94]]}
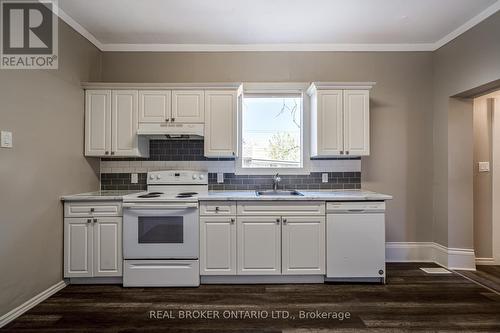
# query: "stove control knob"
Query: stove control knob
{"points": [[195, 176], [158, 177], [202, 177], [152, 177]]}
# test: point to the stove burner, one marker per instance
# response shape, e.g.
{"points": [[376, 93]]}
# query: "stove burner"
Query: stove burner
{"points": [[186, 194], [151, 195]]}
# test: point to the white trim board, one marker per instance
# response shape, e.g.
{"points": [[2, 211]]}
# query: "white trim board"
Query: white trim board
{"points": [[37, 299], [290, 47], [451, 258]]}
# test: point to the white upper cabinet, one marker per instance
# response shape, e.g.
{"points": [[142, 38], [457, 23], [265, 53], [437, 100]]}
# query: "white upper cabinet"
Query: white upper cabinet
{"points": [[327, 126], [124, 123], [154, 106], [98, 122], [221, 110], [357, 122], [188, 106], [111, 124], [340, 119]]}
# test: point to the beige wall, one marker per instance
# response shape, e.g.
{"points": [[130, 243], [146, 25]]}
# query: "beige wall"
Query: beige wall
{"points": [[471, 60], [401, 110], [44, 110]]}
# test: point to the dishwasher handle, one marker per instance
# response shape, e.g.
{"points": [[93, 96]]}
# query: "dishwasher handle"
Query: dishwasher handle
{"points": [[355, 207]]}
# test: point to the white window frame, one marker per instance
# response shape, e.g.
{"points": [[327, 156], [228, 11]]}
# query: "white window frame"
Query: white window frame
{"points": [[278, 88]]}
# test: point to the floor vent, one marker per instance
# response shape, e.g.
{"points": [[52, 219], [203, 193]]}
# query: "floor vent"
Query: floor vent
{"points": [[436, 270]]}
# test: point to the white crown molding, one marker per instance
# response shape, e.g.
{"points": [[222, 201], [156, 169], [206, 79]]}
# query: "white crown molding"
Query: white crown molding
{"points": [[285, 47], [495, 7], [37, 299]]}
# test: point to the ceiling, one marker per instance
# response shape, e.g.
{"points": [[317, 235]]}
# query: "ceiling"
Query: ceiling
{"points": [[232, 25]]}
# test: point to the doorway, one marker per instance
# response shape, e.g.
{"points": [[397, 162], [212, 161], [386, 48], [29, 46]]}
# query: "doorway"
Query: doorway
{"points": [[486, 123]]}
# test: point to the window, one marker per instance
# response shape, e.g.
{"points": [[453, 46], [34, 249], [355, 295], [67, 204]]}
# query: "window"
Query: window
{"points": [[272, 132]]}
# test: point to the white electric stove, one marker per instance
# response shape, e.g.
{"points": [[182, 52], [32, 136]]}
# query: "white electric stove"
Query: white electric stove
{"points": [[161, 230]]}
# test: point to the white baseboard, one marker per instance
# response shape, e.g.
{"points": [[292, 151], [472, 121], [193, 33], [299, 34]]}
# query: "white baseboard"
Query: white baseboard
{"points": [[13, 314], [451, 258], [485, 261]]}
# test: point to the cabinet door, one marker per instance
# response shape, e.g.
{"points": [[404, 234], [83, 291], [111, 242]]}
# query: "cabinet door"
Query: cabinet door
{"points": [[259, 245], [107, 249], [124, 140], [357, 122], [78, 247], [154, 106], [218, 246], [329, 134], [220, 123], [355, 245], [303, 250], [97, 122], [188, 106]]}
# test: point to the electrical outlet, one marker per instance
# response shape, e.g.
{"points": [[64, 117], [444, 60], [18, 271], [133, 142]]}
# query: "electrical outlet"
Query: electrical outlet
{"points": [[6, 139], [220, 177], [134, 178], [324, 177], [484, 166]]}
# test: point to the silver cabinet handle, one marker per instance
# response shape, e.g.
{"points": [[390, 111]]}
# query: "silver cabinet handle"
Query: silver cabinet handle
{"points": [[106, 152], [95, 220], [89, 220], [347, 152], [112, 153], [233, 220], [167, 120], [284, 221], [278, 221], [92, 209], [341, 152], [217, 209], [173, 119]]}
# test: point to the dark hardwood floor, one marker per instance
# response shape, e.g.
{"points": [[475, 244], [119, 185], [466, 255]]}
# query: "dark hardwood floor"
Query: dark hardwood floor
{"points": [[411, 301], [486, 275]]}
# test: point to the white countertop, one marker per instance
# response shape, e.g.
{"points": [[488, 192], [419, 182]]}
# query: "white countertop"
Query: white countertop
{"points": [[98, 196], [335, 195]]}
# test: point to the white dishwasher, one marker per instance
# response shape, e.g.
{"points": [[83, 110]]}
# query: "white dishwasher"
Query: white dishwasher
{"points": [[355, 241]]}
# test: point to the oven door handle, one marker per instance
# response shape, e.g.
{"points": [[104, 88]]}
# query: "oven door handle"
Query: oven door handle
{"points": [[160, 206]]}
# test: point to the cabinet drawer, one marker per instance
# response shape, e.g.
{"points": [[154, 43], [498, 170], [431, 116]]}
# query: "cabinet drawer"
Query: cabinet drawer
{"points": [[161, 273], [281, 208], [218, 208], [84, 209]]}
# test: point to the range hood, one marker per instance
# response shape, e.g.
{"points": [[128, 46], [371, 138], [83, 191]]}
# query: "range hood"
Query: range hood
{"points": [[171, 131]]}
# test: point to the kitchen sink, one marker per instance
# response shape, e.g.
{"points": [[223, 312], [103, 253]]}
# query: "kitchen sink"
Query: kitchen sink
{"points": [[278, 193]]}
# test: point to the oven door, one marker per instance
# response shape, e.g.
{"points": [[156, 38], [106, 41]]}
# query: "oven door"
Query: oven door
{"points": [[160, 231]]}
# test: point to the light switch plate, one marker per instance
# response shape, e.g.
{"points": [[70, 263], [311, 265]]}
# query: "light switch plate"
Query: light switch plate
{"points": [[220, 177], [134, 178], [6, 139], [484, 166], [324, 177]]}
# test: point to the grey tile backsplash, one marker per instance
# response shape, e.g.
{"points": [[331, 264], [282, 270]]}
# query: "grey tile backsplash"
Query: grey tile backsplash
{"points": [[191, 151], [232, 182]]}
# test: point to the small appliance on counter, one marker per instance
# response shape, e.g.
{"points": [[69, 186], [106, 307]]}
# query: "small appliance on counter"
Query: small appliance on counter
{"points": [[161, 231]]}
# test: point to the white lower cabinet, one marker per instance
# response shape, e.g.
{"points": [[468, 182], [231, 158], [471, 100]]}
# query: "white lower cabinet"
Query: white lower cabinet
{"points": [[303, 250], [259, 245], [92, 246], [218, 245], [78, 259]]}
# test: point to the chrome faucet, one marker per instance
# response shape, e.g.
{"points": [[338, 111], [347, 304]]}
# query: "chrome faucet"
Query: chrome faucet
{"points": [[276, 180]]}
